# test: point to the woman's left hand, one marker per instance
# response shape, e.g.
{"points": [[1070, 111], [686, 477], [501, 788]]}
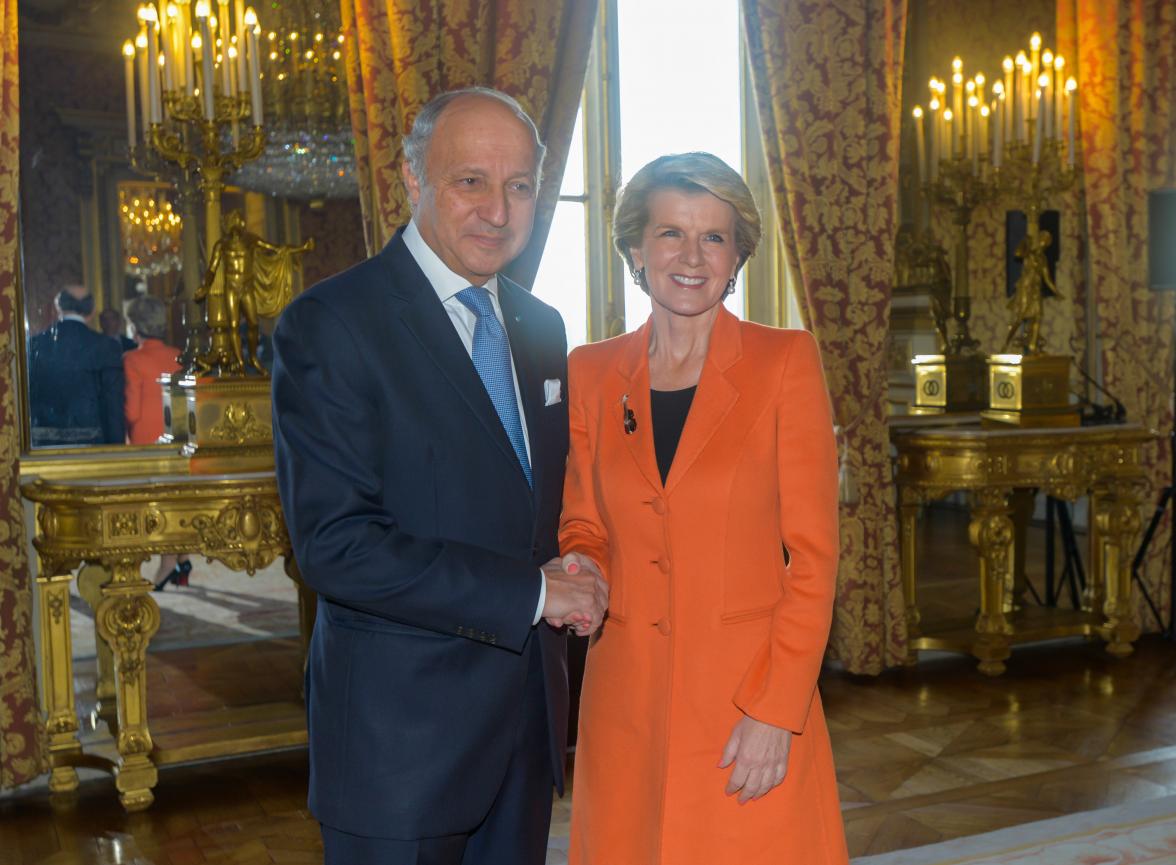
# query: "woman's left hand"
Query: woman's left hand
{"points": [[760, 754]]}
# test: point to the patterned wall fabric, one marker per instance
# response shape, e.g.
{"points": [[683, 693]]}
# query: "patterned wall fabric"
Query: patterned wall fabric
{"points": [[827, 75], [20, 752], [401, 53], [1126, 69]]}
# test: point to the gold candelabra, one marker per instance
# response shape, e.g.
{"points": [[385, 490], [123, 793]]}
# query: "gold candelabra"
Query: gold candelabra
{"points": [[199, 83], [1011, 138]]}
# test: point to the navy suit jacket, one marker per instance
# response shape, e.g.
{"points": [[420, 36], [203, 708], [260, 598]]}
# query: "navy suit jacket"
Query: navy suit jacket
{"points": [[76, 387], [411, 517]]}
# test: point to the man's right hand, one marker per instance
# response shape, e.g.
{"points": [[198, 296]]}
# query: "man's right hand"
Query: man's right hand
{"points": [[577, 594]]}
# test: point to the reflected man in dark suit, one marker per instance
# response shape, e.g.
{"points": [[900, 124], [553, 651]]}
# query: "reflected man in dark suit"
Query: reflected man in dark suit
{"points": [[75, 379], [421, 434]]}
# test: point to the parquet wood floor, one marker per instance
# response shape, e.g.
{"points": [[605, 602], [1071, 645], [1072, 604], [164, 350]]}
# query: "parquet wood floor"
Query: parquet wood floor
{"points": [[923, 754]]}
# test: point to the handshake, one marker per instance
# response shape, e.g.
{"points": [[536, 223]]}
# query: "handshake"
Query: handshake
{"points": [[577, 595]]}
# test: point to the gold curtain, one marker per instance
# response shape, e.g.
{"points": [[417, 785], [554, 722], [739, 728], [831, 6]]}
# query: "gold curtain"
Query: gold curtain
{"points": [[20, 752], [1126, 70], [401, 53], [827, 76]]}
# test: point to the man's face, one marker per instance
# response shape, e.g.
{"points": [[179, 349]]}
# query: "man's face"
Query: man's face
{"points": [[476, 205], [111, 322]]}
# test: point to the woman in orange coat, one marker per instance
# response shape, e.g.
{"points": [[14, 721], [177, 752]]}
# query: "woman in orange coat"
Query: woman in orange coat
{"points": [[143, 403], [702, 481]]}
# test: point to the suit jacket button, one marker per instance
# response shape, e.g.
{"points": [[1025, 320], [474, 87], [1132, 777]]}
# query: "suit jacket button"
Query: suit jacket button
{"points": [[663, 565], [663, 627], [659, 507]]}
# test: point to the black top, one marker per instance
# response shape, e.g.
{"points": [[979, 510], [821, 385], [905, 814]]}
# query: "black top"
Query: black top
{"points": [[669, 409]]}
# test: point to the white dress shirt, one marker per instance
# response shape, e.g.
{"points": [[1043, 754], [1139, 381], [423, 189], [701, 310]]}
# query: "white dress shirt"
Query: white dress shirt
{"points": [[447, 284]]}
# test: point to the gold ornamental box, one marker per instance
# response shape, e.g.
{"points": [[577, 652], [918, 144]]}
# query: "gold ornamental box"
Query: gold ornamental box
{"points": [[229, 424], [1030, 391]]}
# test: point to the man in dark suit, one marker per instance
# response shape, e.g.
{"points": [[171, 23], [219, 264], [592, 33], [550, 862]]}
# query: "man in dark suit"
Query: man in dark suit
{"points": [[76, 380], [421, 432], [114, 326]]}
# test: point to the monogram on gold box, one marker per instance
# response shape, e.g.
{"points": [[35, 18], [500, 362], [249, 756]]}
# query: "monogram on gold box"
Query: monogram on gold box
{"points": [[950, 383], [1030, 390]]}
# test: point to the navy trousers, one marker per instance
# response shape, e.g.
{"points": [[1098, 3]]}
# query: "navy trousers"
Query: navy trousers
{"points": [[513, 833]]}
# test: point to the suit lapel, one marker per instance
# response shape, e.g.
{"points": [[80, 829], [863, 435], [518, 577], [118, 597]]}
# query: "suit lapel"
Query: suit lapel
{"points": [[715, 397], [519, 330], [425, 317]]}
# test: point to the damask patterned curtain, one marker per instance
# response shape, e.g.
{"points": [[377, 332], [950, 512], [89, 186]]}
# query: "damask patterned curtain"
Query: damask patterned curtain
{"points": [[1126, 70], [20, 753], [401, 53], [827, 76]]}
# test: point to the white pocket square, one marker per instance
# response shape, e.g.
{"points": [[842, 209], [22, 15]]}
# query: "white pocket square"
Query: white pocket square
{"points": [[551, 392]]}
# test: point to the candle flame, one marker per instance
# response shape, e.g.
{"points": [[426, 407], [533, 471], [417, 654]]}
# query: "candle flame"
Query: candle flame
{"points": [[947, 115], [1043, 80], [141, 40], [980, 79], [1059, 62], [197, 42], [1023, 59], [128, 49], [1071, 85], [973, 101], [957, 64], [983, 110], [934, 105], [918, 112], [957, 78], [202, 9], [250, 17], [173, 11], [232, 52], [998, 88], [1007, 63], [1035, 41], [1047, 57]]}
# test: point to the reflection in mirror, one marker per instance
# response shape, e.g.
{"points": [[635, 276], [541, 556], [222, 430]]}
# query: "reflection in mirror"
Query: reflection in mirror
{"points": [[101, 231]]}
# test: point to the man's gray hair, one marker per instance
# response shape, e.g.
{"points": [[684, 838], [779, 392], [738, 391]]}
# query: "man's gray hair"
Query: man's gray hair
{"points": [[416, 142]]}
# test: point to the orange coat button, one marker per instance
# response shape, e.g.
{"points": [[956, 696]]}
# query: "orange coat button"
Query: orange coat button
{"points": [[663, 565], [659, 507], [663, 627]]}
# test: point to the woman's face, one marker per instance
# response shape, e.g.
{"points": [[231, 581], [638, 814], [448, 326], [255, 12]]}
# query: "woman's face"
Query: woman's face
{"points": [[687, 250]]}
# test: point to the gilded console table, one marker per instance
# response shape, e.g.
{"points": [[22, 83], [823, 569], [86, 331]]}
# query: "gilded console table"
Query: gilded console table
{"points": [[118, 524], [1000, 468]]}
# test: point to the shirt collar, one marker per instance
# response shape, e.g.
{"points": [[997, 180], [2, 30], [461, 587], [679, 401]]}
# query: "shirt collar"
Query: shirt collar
{"points": [[444, 281], [70, 316]]}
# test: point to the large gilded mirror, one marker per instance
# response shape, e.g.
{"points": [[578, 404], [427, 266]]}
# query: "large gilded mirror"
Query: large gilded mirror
{"points": [[112, 242]]}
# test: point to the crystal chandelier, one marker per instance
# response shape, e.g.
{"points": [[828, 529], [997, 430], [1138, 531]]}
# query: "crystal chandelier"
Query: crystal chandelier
{"points": [[150, 230], [310, 151]]}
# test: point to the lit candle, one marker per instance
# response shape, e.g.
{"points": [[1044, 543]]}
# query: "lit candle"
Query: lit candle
{"points": [[1046, 103], [983, 137], [254, 65], [207, 49], [239, 37], [144, 97], [948, 130], [152, 63], [957, 101], [1072, 99], [933, 168], [1035, 55], [226, 78], [197, 48], [129, 58], [998, 138], [183, 46], [1025, 94], [971, 120], [1037, 128], [1007, 66], [1059, 91], [165, 44], [920, 147]]}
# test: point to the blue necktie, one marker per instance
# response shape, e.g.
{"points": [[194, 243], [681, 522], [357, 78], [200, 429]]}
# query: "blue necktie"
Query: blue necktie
{"points": [[492, 360]]}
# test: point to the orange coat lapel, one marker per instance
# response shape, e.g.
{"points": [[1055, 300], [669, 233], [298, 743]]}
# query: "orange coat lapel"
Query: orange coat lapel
{"points": [[634, 374], [715, 397]]}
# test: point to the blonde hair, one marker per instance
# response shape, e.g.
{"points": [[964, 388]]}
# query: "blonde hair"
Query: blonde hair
{"points": [[690, 172], [149, 316]]}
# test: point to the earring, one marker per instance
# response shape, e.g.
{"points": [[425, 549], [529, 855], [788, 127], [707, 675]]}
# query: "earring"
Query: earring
{"points": [[639, 276], [730, 286]]}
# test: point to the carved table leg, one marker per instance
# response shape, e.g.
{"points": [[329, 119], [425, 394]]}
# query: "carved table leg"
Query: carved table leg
{"points": [[127, 619], [1117, 516], [909, 557], [91, 578], [991, 532], [1023, 501], [56, 663]]}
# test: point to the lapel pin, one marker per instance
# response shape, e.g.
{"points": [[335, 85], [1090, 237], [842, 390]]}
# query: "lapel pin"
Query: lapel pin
{"points": [[630, 420]]}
